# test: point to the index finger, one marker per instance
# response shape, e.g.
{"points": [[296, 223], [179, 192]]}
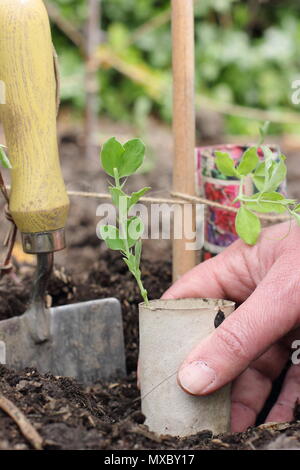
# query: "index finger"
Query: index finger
{"points": [[224, 276]]}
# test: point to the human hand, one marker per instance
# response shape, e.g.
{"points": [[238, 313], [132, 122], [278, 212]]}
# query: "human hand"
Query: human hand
{"points": [[253, 345]]}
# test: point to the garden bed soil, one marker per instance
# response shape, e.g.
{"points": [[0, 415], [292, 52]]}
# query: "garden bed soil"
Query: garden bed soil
{"points": [[105, 415]]}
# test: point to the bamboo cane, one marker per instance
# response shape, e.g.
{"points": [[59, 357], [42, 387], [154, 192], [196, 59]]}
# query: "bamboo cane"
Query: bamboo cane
{"points": [[183, 120], [91, 79]]}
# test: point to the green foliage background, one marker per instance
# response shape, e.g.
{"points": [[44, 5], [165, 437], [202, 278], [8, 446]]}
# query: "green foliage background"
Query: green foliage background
{"points": [[247, 52]]}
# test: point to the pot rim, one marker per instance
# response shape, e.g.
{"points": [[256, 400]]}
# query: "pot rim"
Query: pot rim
{"points": [[187, 304]]}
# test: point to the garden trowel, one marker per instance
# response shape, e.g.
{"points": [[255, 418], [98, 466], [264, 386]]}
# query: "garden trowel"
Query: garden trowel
{"points": [[83, 340]]}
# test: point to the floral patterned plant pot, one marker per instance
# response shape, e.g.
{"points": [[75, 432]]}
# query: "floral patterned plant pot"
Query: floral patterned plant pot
{"points": [[220, 223]]}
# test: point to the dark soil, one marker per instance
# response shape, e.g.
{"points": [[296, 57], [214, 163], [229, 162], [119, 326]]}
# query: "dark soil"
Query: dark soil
{"points": [[106, 415]]}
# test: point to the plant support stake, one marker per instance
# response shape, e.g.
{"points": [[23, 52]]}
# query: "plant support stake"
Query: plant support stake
{"points": [[183, 121]]}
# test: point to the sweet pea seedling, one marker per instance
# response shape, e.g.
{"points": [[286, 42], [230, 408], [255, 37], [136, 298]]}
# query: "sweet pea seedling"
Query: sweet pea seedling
{"points": [[267, 175], [120, 161]]}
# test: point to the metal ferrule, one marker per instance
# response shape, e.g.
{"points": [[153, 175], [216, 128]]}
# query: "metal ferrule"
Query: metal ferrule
{"points": [[44, 242]]}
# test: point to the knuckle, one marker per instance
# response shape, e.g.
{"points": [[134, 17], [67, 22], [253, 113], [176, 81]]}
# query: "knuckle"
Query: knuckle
{"points": [[231, 343]]}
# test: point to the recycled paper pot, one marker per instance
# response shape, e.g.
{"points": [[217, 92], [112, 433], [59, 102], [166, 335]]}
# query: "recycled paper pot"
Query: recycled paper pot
{"points": [[169, 330], [220, 223]]}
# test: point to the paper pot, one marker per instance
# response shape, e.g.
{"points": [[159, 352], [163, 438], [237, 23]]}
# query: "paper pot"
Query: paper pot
{"points": [[169, 329]]}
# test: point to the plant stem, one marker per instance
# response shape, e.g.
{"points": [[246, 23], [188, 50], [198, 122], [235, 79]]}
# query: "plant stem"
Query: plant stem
{"points": [[142, 289], [240, 194], [260, 199], [123, 213]]}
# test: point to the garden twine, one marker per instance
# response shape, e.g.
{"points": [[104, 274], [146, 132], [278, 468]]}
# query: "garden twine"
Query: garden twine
{"points": [[181, 198]]}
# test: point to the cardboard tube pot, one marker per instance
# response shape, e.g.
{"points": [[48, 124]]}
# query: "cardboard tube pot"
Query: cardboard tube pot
{"points": [[169, 330]]}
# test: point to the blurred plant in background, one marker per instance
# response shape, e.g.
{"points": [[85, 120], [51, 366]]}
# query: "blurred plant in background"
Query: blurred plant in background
{"points": [[247, 54]]}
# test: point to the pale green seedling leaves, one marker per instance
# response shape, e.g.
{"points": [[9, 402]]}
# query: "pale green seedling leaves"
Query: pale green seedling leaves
{"points": [[277, 174], [135, 197], [111, 155], [4, 160], [269, 179], [248, 162], [269, 202], [135, 230], [268, 156], [259, 176], [225, 164], [274, 172], [248, 226], [133, 156], [125, 158], [112, 238], [118, 196]]}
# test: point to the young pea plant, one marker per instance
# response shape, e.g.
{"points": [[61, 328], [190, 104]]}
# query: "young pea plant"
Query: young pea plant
{"points": [[120, 161], [267, 175]]}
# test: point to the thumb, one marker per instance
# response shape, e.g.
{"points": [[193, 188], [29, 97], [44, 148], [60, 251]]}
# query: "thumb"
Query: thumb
{"points": [[258, 323]]}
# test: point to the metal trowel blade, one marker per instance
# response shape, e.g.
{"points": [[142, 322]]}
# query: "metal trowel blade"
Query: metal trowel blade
{"points": [[86, 342]]}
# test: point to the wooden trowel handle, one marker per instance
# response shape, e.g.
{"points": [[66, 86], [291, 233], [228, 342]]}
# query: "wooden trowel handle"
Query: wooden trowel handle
{"points": [[38, 199]]}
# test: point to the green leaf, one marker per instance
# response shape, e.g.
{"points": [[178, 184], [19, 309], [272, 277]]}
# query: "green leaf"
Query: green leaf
{"points": [[125, 158], [111, 236], [259, 176], [268, 155], [264, 203], [135, 230], [248, 226], [118, 196], [225, 164], [111, 156], [248, 162], [277, 174], [135, 197], [4, 158], [270, 174], [134, 153]]}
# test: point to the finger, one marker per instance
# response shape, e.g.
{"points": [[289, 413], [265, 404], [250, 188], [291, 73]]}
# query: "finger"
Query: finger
{"points": [[283, 410], [248, 397], [252, 388], [224, 276], [248, 332]]}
